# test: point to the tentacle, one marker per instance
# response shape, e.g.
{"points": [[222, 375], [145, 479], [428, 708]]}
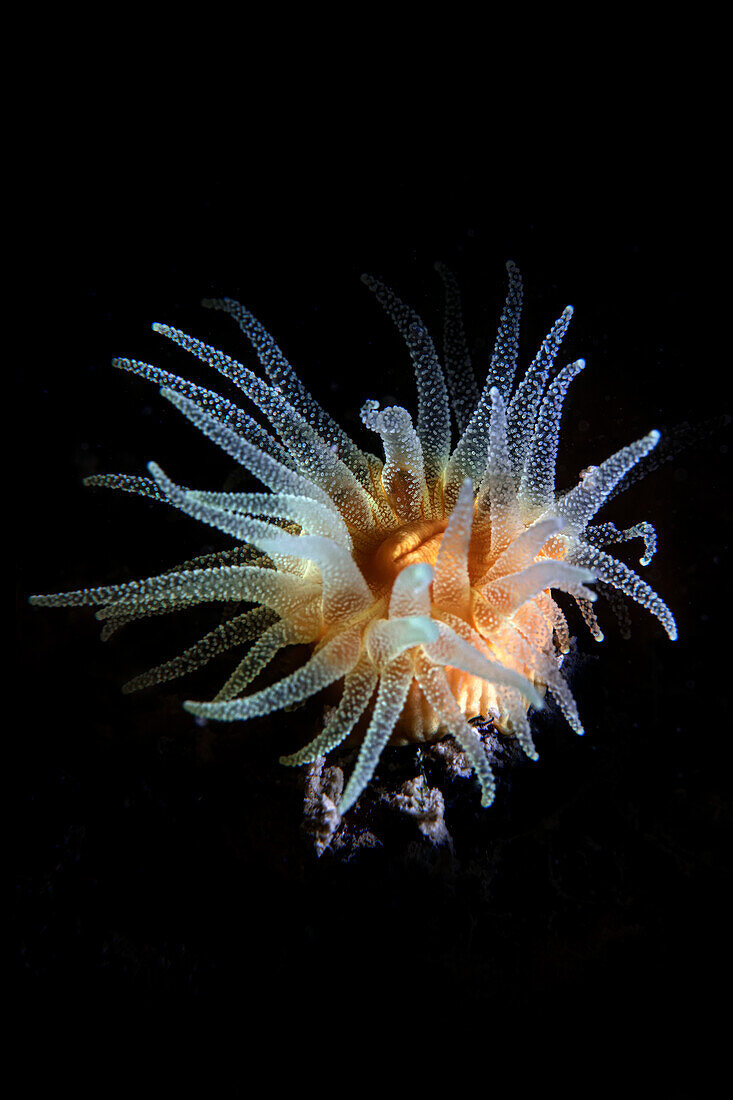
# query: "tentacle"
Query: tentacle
{"points": [[433, 417], [506, 349], [522, 413], [266, 647], [451, 585], [450, 649], [403, 475], [359, 687], [387, 639], [391, 695], [618, 575], [313, 517], [537, 486], [327, 665], [497, 499], [272, 473], [233, 583], [580, 505], [226, 412], [283, 377], [459, 374], [524, 549], [501, 598], [605, 534], [434, 685], [127, 483], [411, 591], [241, 628]]}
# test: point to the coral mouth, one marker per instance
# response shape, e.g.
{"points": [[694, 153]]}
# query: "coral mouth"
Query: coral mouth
{"points": [[416, 541]]}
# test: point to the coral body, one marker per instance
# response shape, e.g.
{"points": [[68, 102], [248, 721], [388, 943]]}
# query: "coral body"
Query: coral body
{"points": [[422, 581]]}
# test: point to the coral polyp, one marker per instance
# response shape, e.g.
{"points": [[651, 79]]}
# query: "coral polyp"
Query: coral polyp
{"points": [[423, 582]]}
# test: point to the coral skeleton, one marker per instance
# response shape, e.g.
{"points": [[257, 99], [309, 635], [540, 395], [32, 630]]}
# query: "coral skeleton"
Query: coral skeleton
{"points": [[423, 582]]}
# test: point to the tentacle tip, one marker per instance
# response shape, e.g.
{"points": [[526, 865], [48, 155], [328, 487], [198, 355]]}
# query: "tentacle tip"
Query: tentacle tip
{"points": [[654, 436], [158, 326], [673, 635], [171, 395], [192, 707], [154, 469]]}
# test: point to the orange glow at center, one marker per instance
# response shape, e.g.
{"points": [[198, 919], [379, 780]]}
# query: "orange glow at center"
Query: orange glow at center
{"points": [[416, 541]]}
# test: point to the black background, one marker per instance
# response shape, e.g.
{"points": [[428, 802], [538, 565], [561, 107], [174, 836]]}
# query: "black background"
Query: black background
{"points": [[592, 898]]}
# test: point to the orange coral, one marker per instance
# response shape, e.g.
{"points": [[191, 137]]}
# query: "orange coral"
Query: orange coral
{"points": [[422, 581]]}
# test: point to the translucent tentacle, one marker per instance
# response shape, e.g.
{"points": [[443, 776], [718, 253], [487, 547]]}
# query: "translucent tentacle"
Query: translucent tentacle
{"points": [[244, 582], [258, 657], [328, 664], [241, 628], [537, 486], [459, 374], [503, 597], [226, 412], [411, 591], [403, 475], [451, 649], [618, 575], [249, 529], [359, 687], [345, 592], [525, 548], [605, 534], [241, 527], [506, 349], [284, 377], [545, 668], [313, 517], [433, 418], [524, 406], [434, 685], [387, 639], [269, 471], [589, 617], [393, 687], [514, 721], [580, 505], [127, 483], [451, 584], [314, 456], [497, 500]]}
